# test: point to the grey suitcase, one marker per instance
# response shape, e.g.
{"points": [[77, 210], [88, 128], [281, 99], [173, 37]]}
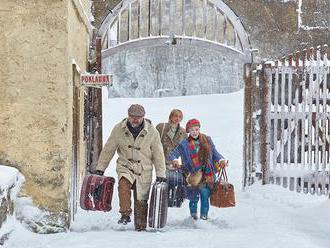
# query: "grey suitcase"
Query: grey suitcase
{"points": [[176, 196], [174, 178], [176, 191], [158, 205]]}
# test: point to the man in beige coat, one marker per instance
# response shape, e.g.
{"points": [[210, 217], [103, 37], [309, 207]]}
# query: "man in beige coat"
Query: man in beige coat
{"points": [[139, 149]]}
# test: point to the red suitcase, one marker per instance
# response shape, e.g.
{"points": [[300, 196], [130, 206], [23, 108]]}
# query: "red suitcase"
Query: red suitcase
{"points": [[96, 193]]}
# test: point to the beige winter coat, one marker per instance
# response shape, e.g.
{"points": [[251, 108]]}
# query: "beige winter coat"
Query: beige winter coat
{"points": [[135, 158]]}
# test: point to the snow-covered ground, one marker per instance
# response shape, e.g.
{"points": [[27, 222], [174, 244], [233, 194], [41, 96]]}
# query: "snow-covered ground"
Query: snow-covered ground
{"points": [[265, 216]]}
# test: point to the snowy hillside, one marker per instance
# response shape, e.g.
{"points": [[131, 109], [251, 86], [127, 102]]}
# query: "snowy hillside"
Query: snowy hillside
{"points": [[265, 216]]}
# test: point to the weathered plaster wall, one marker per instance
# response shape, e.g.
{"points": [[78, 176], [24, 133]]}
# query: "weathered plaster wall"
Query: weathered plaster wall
{"points": [[34, 97], [38, 41]]}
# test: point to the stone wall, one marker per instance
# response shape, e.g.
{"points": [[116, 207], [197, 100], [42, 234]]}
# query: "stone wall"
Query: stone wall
{"points": [[271, 24]]}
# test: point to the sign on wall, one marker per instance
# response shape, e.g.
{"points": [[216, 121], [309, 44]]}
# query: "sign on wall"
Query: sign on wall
{"points": [[96, 80]]}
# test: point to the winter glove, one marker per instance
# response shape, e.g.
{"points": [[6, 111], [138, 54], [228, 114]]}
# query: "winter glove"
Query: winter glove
{"points": [[99, 172], [221, 164], [175, 164], [161, 179]]}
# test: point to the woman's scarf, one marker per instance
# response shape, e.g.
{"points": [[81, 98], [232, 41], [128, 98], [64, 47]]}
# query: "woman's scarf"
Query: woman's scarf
{"points": [[200, 153]]}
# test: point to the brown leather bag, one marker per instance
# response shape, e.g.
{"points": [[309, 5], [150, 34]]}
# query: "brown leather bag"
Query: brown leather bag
{"points": [[223, 195], [194, 179]]}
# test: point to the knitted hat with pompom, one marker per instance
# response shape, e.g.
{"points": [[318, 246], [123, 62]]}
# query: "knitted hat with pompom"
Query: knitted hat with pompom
{"points": [[191, 123]]}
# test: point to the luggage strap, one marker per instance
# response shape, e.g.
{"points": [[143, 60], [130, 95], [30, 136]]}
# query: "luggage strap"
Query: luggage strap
{"points": [[161, 135], [97, 192]]}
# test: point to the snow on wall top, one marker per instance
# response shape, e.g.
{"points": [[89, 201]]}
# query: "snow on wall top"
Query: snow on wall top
{"points": [[8, 176], [10, 179]]}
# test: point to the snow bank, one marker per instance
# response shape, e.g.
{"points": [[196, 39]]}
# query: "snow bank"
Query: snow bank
{"points": [[8, 176], [10, 180], [38, 220], [10, 184]]}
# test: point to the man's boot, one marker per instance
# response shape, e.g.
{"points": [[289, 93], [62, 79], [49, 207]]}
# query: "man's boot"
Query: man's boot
{"points": [[140, 215], [124, 219]]}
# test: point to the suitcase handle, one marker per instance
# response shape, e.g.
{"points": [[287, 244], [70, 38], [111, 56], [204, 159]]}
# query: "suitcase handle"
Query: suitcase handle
{"points": [[222, 174], [97, 193]]}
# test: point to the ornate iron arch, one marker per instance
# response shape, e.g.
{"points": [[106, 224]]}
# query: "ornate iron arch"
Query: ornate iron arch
{"points": [[142, 23]]}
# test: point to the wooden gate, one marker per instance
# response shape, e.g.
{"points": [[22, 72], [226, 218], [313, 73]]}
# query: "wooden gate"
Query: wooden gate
{"points": [[287, 121]]}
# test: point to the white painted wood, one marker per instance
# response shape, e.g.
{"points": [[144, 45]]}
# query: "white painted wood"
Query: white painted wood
{"points": [[309, 137], [140, 19], [225, 23], [270, 117], [157, 22], [215, 23], [327, 119], [194, 17], [118, 28], [160, 14], [317, 105], [129, 21], [204, 18], [303, 119], [282, 119], [108, 40], [289, 119], [183, 17], [274, 117], [296, 101], [156, 41]]}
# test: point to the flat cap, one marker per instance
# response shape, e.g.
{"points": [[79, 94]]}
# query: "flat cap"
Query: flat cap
{"points": [[136, 110]]}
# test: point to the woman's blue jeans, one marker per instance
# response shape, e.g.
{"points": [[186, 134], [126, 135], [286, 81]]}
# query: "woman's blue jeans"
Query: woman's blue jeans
{"points": [[204, 192]]}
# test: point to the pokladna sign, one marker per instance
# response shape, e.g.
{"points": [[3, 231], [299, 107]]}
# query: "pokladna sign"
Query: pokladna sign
{"points": [[96, 80]]}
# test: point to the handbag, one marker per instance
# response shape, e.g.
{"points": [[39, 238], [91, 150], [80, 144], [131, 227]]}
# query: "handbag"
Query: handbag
{"points": [[223, 195], [194, 179]]}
